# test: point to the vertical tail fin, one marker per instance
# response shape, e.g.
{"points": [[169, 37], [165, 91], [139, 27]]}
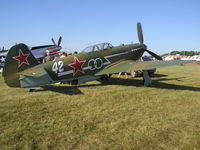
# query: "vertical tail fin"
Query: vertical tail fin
{"points": [[19, 58]]}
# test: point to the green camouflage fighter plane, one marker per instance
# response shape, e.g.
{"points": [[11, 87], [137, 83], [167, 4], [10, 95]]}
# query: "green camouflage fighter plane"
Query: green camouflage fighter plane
{"points": [[21, 69]]}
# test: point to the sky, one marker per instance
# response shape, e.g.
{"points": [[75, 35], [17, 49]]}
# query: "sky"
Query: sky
{"points": [[168, 25]]}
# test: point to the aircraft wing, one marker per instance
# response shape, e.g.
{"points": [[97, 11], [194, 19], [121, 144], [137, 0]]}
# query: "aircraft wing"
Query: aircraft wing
{"points": [[131, 65]]}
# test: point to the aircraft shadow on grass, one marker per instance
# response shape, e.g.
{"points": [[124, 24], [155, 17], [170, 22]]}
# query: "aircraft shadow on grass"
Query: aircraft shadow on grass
{"points": [[65, 89], [157, 83]]}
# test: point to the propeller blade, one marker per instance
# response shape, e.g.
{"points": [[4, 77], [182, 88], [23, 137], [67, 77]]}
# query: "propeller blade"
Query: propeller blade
{"points": [[53, 41], [59, 41], [140, 34], [154, 55]]}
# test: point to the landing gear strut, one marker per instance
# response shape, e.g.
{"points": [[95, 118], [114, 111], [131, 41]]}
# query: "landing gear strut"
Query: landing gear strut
{"points": [[146, 78]]}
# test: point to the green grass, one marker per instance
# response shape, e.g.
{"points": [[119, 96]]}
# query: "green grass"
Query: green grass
{"points": [[119, 115]]}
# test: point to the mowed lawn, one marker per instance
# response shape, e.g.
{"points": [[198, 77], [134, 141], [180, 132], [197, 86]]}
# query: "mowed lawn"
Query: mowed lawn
{"points": [[121, 114]]}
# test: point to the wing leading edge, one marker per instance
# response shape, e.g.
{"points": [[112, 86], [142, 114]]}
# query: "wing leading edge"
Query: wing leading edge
{"points": [[131, 65]]}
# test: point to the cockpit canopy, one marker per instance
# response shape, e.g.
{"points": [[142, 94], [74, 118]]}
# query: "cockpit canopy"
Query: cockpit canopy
{"points": [[97, 47]]}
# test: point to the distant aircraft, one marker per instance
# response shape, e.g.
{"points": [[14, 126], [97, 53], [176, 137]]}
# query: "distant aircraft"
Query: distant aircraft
{"points": [[95, 62], [37, 51], [3, 54]]}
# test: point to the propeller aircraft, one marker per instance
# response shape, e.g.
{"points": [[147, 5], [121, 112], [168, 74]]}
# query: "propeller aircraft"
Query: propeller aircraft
{"points": [[21, 68], [3, 54], [37, 51]]}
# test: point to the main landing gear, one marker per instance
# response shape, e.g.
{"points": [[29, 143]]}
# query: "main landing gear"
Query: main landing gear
{"points": [[146, 78]]}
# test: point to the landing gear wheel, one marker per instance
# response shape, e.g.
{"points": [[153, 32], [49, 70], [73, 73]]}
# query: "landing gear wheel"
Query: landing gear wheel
{"points": [[32, 90], [104, 78]]}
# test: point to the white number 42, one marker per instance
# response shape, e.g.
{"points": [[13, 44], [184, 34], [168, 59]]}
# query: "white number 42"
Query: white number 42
{"points": [[58, 67]]}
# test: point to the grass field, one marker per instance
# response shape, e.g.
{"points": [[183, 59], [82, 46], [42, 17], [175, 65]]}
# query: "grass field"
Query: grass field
{"points": [[121, 114]]}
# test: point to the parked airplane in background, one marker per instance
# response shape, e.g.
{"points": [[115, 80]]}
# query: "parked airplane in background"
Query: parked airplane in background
{"points": [[95, 62], [2, 51], [37, 51], [3, 54]]}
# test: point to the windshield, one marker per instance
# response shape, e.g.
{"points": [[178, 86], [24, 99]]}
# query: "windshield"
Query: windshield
{"points": [[97, 47]]}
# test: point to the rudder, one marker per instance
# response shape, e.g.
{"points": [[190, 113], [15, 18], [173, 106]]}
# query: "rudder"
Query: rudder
{"points": [[18, 59]]}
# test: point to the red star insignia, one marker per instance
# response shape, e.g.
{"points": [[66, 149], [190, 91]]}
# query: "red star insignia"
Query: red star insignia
{"points": [[21, 58], [77, 66]]}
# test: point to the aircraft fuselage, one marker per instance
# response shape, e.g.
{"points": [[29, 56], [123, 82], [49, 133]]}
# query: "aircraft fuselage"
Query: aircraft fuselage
{"points": [[85, 65]]}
